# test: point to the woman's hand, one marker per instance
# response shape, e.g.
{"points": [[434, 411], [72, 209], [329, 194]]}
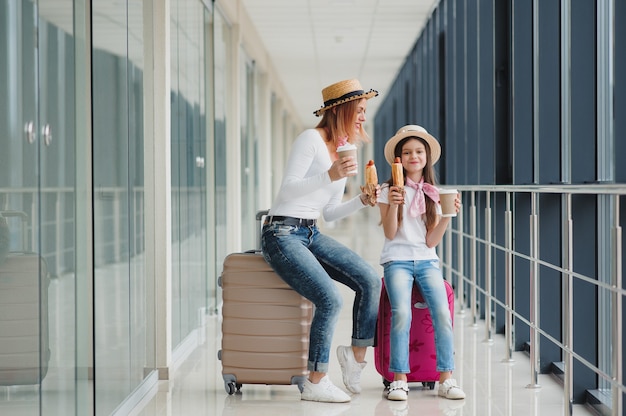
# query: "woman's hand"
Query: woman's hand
{"points": [[342, 168], [367, 199]]}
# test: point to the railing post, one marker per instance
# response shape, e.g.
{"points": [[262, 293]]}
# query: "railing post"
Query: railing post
{"points": [[59, 234], [568, 297], [616, 392], [460, 259], [474, 285], [488, 289], [447, 252], [534, 298], [509, 327]]}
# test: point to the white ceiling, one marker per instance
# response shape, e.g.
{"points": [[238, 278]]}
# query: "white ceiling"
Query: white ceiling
{"points": [[314, 43]]}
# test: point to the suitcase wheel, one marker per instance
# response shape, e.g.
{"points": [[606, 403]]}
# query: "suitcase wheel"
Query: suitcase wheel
{"points": [[232, 388], [429, 384], [386, 382]]}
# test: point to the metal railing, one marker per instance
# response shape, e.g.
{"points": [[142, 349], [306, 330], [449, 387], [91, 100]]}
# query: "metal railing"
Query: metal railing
{"points": [[494, 234]]}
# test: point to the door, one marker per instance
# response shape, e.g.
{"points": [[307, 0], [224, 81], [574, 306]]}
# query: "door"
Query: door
{"points": [[37, 194]]}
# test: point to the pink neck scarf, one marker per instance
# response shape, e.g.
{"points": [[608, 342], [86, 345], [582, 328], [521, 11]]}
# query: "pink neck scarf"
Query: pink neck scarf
{"points": [[418, 205]]}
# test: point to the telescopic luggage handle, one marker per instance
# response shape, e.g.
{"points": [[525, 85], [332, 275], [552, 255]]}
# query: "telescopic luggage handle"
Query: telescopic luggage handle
{"points": [[259, 219], [24, 217]]}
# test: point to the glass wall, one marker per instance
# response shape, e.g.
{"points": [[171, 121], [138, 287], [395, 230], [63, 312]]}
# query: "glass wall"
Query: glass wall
{"points": [[37, 196], [221, 68], [249, 166], [123, 317], [188, 149]]}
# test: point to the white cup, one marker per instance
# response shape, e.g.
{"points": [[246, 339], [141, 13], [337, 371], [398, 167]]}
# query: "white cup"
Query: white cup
{"points": [[446, 198], [348, 149]]}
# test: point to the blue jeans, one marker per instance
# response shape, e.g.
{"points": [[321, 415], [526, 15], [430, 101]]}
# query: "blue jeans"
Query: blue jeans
{"points": [[309, 262], [399, 278]]}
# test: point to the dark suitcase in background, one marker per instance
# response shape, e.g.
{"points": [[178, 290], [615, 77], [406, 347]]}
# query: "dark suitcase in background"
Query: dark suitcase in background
{"points": [[24, 341], [265, 324], [422, 352]]}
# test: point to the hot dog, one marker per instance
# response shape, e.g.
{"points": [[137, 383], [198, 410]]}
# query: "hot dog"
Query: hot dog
{"points": [[371, 183], [397, 174]]}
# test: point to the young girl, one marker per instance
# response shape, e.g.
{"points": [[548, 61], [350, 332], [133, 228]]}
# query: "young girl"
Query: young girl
{"points": [[413, 227]]}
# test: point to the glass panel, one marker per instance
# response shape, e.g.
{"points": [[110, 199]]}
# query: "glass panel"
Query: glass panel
{"points": [[141, 289], [124, 319], [210, 158], [37, 184], [57, 200], [222, 69], [22, 331], [248, 165], [37, 188], [188, 138]]}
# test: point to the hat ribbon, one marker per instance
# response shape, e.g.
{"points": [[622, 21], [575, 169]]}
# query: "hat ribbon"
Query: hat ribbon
{"points": [[418, 204], [343, 97]]}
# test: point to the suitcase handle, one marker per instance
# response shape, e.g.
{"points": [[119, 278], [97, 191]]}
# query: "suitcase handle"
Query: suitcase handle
{"points": [[24, 217], [261, 214], [20, 214], [259, 226]]}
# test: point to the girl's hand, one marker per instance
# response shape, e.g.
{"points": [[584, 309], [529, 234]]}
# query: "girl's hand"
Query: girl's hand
{"points": [[457, 203], [342, 168], [396, 195]]}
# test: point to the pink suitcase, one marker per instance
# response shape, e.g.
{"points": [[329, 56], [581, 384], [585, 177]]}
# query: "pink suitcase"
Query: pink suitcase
{"points": [[265, 325], [422, 355]]}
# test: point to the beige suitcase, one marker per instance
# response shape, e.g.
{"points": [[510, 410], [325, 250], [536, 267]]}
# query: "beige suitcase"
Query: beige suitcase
{"points": [[265, 325], [24, 340]]}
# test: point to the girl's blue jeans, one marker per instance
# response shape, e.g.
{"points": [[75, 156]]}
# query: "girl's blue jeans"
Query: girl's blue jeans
{"points": [[310, 263], [399, 279]]}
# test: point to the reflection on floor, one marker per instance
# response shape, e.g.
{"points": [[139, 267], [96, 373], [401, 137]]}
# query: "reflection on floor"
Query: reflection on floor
{"points": [[493, 387]]}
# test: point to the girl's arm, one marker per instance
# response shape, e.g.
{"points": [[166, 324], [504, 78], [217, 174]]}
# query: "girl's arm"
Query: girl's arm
{"points": [[389, 211], [434, 235]]}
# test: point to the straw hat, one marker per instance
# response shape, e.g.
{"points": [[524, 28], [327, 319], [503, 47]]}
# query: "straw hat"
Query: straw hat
{"points": [[412, 131], [342, 92]]}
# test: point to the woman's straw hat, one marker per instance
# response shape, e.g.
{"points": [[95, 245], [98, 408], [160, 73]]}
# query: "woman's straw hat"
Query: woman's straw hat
{"points": [[412, 131], [342, 92]]}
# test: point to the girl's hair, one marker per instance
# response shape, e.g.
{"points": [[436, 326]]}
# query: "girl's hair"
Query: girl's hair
{"points": [[339, 122], [429, 175]]}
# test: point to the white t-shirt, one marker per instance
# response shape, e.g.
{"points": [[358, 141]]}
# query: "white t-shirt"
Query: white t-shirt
{"points": [[306, 189], [410, 240]]}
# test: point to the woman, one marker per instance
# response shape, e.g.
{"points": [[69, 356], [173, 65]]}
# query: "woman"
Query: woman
{"points": [[412, 231], [309, 261]]}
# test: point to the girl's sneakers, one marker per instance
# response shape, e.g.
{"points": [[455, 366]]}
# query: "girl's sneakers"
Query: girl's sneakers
{"points": [[450, 390], [398, 390]]}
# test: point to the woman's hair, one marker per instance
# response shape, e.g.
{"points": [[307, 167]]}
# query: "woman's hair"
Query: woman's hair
{"points": [[339, 122], [429, 175]]}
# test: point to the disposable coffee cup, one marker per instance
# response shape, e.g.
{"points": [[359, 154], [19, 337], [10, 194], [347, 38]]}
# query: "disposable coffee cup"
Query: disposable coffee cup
{"points": [[347, 150], [446, 198]]}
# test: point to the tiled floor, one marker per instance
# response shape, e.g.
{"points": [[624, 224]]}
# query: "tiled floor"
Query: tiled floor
{"points": [[493, 387]]}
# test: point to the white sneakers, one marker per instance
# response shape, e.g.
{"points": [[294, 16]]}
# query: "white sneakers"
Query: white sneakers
{"points": [[350, 368], [450, 390], [324, 391], [398, 390]]}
